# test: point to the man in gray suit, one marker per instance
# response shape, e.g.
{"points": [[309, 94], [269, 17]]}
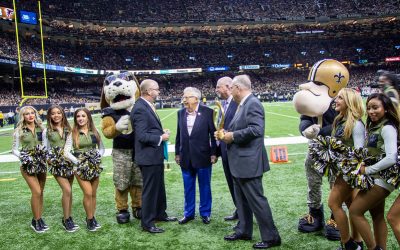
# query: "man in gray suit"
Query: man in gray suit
{"points": [[248, 161]]}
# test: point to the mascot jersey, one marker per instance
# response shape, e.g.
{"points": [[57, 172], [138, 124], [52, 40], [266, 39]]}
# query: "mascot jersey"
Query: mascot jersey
{"points": [[327, 120], [121, 141]]}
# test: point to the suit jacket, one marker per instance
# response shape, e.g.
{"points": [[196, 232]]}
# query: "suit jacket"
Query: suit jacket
{"points": [[197, 147], [247, 155], [148, 130], [230, 113]]}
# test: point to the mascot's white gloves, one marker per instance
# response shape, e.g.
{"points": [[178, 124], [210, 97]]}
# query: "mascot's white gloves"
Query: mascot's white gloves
{"points": [[123, 123], [312, 131]]}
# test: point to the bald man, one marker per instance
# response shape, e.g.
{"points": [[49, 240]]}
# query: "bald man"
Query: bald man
{"points": [[248, 162], [149, 155]]}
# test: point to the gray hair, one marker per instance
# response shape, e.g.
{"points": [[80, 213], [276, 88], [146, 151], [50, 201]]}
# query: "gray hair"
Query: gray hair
{"points": [[195, 91], [145, 85], [226, 80], [242, 81]]}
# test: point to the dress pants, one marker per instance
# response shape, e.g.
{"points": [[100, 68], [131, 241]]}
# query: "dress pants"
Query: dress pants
{"points": [[189, 183], [154, 201], [250, 199]]}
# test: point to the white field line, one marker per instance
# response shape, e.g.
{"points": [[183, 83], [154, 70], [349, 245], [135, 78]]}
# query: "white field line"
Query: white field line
{"points": [[165, 117], [288, 116], [171, 148]]}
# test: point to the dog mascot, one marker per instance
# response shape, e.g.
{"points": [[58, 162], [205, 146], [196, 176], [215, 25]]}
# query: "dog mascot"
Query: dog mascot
{"points": [[314, 102], [117, 99]]}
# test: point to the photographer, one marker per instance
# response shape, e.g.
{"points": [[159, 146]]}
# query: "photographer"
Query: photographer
{"points": [[390, 84]]}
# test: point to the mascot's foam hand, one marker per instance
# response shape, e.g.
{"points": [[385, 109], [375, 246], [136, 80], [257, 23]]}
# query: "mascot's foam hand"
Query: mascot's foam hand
{"points": [[123, 123], [312, 131]]}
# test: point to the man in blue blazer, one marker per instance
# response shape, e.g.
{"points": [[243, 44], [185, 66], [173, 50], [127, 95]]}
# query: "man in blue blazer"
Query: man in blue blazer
{"points": [[248, 161], [149, 155], [195, 152], [223, 91]]}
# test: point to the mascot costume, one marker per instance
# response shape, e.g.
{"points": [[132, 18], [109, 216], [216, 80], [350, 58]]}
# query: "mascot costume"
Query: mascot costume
{"points": [[117, 99], [314, 102]]}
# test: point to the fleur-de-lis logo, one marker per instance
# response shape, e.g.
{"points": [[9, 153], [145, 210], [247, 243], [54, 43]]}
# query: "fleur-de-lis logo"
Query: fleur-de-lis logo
{"points": [[339, 77]]}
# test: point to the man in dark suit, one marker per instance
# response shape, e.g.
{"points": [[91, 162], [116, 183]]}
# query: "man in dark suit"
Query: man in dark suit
{"points": [[195, 152], [149, 155], [223, 91], [248, 161]]}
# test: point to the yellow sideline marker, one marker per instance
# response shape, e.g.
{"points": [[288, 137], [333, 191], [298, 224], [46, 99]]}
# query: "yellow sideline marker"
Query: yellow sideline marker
{"points": [[23, 96], [7, 179]]}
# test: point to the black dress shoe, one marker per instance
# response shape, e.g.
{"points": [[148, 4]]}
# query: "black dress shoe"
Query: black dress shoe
{"points": [[267, 244], [153, 230], [233, 237], [231, 217], [185, 220], [168, 219], [206, 219]]}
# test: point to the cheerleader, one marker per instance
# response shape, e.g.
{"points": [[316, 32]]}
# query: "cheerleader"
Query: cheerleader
{"points": [[83, 142], [382, 136], [54, 137], [348, 128], [27, 146]]}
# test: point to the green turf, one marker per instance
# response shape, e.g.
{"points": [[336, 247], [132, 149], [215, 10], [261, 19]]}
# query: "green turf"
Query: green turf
{"points": [[285, 187]]}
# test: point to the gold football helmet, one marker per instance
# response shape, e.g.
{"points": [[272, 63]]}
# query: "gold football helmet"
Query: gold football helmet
{"points": [[330, 73]]}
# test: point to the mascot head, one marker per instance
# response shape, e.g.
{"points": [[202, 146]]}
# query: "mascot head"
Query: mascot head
{"points": [[325, 79], [120, 91]]}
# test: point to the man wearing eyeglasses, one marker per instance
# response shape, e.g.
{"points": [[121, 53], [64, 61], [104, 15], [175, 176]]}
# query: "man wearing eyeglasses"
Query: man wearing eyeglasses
{"points": [[149, 155], [248, 160], [195, 152]]}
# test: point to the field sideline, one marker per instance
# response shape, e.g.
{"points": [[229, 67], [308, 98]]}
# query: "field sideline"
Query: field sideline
{"points": [[285, 187]]}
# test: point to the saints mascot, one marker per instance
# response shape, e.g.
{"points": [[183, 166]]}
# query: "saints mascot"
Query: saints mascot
{"points": [[119, 94], [314, 101]]}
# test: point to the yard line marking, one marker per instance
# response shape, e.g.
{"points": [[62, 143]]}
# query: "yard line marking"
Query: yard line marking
{"points": [[291, 134], [168, 116], [302, 153], [11, 172], [289, 116], [171, 147], [8, 179], [5, 152]]}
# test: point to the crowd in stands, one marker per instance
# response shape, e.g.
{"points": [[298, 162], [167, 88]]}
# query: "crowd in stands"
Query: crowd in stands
{"points": [[185, 34], [270, 85], [208, 10], [106, 57], [12, 97]]}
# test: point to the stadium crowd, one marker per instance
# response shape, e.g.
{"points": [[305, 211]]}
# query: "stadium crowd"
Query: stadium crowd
{"points": [[107, 57], [209, 10], [270, 85]]}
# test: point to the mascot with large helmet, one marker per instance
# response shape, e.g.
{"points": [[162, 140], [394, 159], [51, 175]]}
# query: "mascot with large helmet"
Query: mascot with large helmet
{"points": [[315, 102], [119, 94]]}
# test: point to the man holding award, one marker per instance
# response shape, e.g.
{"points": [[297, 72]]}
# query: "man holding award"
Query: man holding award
{"points": [[195, 154], [227, 112], [248, 161]]}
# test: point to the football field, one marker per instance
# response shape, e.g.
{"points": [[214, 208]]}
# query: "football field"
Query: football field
{"points": [[284, 186]]}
